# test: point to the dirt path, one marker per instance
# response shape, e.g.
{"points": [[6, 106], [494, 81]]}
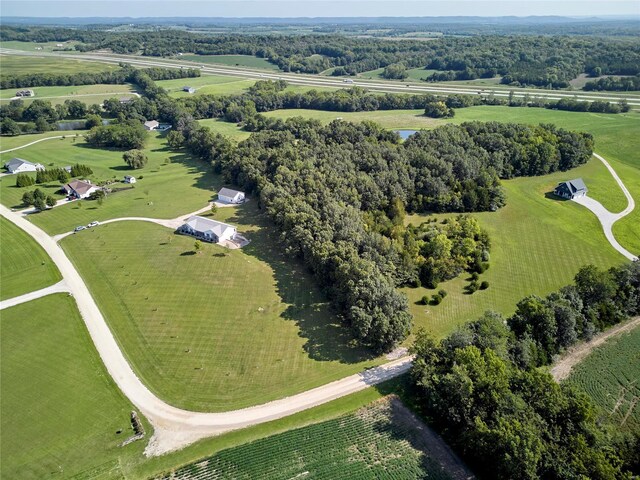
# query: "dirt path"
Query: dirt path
{"points": [[32, 143], [606, 218], [59, 287], [562, 368]]}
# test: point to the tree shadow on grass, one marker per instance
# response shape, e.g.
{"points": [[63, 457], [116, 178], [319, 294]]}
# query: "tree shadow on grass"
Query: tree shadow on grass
{"points": [[326, 338]]}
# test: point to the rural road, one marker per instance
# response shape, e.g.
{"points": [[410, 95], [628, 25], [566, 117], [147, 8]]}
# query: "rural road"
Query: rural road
{"points": [[32, 143], [59, 287], [175, 428], [607, 219], [562, 368], [320, 81]]}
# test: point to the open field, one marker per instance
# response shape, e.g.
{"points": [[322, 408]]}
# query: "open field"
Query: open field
{"points": [[231, 60], [219, 330], [85, 93], [7, 143], [31, 46], [62, 421], [379, 441], [163, 190], [17, 65], [231, 130], [24, 266], [610, 377]]}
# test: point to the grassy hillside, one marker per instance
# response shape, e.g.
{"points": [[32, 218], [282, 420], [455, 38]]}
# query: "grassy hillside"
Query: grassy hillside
{"points": [[17, 65], [24, 265], [63, 421]]}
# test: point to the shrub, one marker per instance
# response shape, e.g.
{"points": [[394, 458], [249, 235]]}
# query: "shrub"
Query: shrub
{"points": [[475, 276], [50, 201], [442, 293], [472, 287], [24, 180], [436, 299], [135, 158], [425, 300], [484, 285]]}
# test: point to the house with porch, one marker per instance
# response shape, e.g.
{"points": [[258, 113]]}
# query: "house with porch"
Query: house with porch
{"points": [[79, 188], [571, 189], [207, 229], [19, 165]]}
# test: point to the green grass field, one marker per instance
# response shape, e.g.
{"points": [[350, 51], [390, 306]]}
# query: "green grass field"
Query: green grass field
{"points": [[24, 265], [610, 377], [165, 190], [85, 93], [31, 46], [60, 409], [219, 330], [7, 143], [231, 61], [17, 65], [379, 441]]}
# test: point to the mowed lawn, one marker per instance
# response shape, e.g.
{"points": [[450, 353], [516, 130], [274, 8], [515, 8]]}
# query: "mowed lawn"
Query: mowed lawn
{"points": [[88, 94], [610, 377], [171, 183], [231, 61], [24, 265], [23, 64], [218, 330], [60, 410]]}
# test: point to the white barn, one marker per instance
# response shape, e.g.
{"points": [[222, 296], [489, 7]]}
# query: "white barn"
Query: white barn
{"points": [[151, 124], [228, 195], [18, 165], [208, 230]]}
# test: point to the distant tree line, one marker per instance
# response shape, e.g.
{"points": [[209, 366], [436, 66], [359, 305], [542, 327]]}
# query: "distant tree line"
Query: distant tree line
{"points": [[480, 386], [623, 84]]}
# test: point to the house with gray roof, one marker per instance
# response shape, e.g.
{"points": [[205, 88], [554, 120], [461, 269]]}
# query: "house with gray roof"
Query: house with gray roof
{"points": [[79, 188], [228, 195], [571, 189], [189, 89], [19, 165], [151, 124], [208, 230]]}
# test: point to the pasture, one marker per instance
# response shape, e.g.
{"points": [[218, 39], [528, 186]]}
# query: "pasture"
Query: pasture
{"points": [[231, 61], [62, 422], [31, 46], [24, 265], [88, 94], [379, 441], [23, 64], [169, 185], [610, 377], [218, 330]]}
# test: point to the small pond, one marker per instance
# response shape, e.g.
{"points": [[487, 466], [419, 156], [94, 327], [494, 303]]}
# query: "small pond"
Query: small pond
{"points": [[404, 134]]}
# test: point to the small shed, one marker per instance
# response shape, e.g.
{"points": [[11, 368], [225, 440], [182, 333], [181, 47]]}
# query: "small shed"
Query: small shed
{"points": [[129, 179]]}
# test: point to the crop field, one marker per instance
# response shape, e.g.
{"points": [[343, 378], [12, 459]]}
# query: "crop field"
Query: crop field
{"points": [[379, 441], [231, 61], [218, 330], [31, 46], [611, 377], [24, 265], [88, 94], [16, 65], [63, 421], [169, 185]]}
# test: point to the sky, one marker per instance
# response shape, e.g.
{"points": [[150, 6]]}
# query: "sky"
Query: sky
{"points": [[314, 8]]}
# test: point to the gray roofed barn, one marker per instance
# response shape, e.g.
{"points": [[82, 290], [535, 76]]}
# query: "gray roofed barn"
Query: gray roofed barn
{"points": [[571, 189]]}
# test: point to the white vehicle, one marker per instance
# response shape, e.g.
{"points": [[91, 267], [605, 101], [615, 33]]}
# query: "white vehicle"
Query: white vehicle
{"points": [[95, 223], [79, 228]]}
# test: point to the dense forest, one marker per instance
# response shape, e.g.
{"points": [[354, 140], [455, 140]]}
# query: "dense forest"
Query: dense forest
{"points": [[481, 388], [519, 59]]}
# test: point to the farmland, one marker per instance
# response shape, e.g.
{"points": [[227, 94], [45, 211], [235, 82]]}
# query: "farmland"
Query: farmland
{"points": [[17, 65], [610, 377], [62, 421], [24, 266], [378, 441], [169, 185], [85, 93], [219, 330]]}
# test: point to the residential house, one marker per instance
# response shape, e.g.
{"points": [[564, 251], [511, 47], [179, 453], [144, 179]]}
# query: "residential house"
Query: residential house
{"points": [[129, 179], [151, 124], [18, 165], [228, 195], [125, 100], [79, 188], [207, 229], [189, 89], [25, 93], [571, 189]]}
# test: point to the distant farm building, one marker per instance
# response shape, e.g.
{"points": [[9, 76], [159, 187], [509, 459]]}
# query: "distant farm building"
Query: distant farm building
{"points": [[79, 188], [151, 124], [228, 195], [125, 100], [207, 229], [571, 189], [129, 179], [25, 93], [18, 165], [189, 89]]}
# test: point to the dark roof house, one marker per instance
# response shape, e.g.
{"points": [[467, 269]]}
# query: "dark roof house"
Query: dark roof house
{"points": [[571, 189]]}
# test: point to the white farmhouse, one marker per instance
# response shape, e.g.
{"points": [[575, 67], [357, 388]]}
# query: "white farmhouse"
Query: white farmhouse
{"points": [[228, 195], [18, 165], [79, 188], [208, 230]]}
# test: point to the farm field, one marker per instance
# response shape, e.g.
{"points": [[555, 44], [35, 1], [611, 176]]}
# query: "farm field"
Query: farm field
{"points": [[219, 330], [610, 377], [378, 441], [7, 143], [18, 65], [63, 421], [85, 93], [231, 60], [24, 265], [163, 190], [31, 46]]}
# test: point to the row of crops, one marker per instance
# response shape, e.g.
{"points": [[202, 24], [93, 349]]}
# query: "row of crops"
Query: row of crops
{"points": [[611, 377], [370, 443]]}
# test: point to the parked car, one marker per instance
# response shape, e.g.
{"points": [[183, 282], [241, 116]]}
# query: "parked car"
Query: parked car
{"points": [[79, 228], [95, 223]]}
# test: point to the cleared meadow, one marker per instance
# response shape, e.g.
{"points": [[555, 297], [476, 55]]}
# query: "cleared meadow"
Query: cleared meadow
{"points": [[231, 60], [18, 65]]}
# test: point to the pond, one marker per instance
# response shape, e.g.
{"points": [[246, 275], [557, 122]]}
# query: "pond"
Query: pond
{"points": [[404, 134]]}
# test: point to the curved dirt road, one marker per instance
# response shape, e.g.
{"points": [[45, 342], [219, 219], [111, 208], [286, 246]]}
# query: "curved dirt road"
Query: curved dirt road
{"points": [[607, 219], [32, 143], [175, 428], [562, 368]]}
